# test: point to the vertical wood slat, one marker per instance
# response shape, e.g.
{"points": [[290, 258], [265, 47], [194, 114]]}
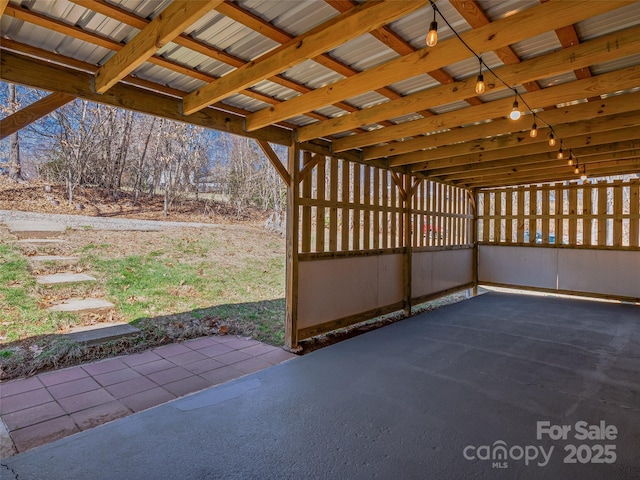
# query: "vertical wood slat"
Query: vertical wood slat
{"points": [[558, 214], [357, 207], [617, 213], [573, 219], [428, 206], [454, 217], [441, 225], [415, 216], [385, 204], [498, 214], [533, 214], [320, 210], [602, 214], [394, 215], [333, 205], [508, 230], [367, 211], [520, 221], [306, 210], [545, 216], [485, 212], [346, 190], [634, 210], [587, 215], [376, 210], [425, 217]]}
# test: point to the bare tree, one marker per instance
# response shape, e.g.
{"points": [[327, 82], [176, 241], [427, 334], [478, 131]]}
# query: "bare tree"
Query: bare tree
{"points": [[14, 140]]}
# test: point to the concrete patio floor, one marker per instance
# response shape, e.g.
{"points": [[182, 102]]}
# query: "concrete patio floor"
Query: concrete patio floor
{"points": [[49, 406], [416, 399]]}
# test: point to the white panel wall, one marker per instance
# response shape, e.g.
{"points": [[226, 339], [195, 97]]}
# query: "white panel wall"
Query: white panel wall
{"points": [[335, 288], [520, 266], [435, 271], [602, 272], [609, 272]]}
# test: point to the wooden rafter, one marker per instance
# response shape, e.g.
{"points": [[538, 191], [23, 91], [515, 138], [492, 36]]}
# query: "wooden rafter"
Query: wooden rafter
{"points": [[76, 32], [29, 114], [523, 141], [318, 40], [165, 27], [596, 51], [476, 17], [502, 32], [275, 161], [568, 92], [530, 162], [582, 111], [537, 168], [561, 173], [47, 76], [592, 143]]}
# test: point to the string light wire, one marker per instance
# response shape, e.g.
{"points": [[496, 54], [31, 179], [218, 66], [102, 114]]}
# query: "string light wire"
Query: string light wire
{"points": [[553, 134]]}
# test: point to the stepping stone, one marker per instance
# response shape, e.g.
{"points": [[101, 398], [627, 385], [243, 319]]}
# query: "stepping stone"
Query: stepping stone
{"points": [[79, 305], [30, 229], [58, 278], [52, 258], [101, 333], [41, 241]]}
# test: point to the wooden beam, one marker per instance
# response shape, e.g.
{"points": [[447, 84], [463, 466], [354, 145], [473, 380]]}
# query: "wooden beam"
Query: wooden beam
{"points": [[3, 6], [47, 76], [609, 106], [321, 39], [628, 167], [502, 32], [589, 140], [118, 13], [567, 92], [523, 139], [20, 119], [392, 40], [165, 27], [76, 32], [514, 166], [275, 161], [599, 50]]}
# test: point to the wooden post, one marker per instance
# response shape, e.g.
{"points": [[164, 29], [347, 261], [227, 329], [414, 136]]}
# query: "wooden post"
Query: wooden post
{"points": [[473, 206], [408, 239], [293, 213]]}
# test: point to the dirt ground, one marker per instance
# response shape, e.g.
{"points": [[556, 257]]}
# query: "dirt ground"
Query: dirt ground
{"points": [[45, 197]]}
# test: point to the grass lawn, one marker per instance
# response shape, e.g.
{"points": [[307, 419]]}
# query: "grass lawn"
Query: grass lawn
{"points": [[173, 284]]}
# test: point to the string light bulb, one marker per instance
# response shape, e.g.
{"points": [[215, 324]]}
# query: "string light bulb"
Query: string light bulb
{"points": [[533, 133], [515, 111], [584, 177], [552, 140], [577, 169], [560, 154], [572, 159], [480, 85], [432, 36]]}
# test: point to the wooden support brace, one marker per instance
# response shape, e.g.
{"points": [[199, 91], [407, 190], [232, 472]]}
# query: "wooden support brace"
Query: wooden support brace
{"points": [[275, 161], [398, 182], [310, 165], [20, 119]]}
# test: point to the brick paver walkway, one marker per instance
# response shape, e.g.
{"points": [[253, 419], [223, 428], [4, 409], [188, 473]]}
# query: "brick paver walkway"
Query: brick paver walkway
{"points": [[52, 405]]}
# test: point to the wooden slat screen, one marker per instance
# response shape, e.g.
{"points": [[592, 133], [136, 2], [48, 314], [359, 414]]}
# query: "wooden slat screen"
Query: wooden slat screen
{"points": [[350, 207], [595, 214]]}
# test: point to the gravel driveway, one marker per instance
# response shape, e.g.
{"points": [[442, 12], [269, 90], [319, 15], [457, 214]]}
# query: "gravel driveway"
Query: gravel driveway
{"points": [[79, 222]]}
